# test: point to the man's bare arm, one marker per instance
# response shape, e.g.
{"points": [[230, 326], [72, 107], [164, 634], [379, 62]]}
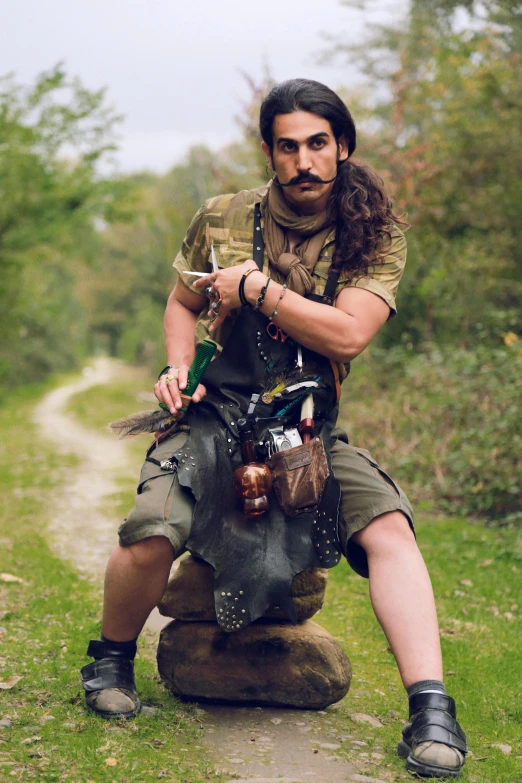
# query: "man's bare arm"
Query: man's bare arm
{"points": [[342, 332], [339, 332], [181, 314]]}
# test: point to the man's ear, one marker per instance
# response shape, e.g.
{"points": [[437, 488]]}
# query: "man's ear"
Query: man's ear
{"points": [[266, 150], [342, 149]]}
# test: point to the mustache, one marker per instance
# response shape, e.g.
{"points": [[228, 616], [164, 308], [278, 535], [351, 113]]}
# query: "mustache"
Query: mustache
{"points": [[305, 177]]}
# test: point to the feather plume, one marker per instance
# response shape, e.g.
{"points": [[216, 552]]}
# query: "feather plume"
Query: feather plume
{"points": [[281, 378], [143, 422]]}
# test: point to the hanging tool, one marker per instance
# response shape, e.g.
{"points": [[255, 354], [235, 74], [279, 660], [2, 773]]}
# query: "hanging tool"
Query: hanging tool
{"points": [[306, 426]]}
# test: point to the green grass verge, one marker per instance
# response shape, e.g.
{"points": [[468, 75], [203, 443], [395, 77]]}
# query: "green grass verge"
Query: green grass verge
{"points": [[45, 622], [476, 573]]}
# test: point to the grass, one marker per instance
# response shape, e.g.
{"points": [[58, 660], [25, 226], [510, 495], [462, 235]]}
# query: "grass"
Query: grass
{"points": [[447, 422], [476, 573], [45, 622]]}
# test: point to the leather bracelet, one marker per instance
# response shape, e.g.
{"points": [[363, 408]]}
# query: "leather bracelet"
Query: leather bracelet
{"points": [[241, 290], [261, 298], [283, 292], [167, 369]]}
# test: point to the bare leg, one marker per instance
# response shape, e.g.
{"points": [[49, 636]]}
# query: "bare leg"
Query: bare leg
{"points": [[135, 580], [402, 597]]}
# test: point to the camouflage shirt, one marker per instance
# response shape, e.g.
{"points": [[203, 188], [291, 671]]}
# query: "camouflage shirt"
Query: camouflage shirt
{"points": [[227, 222]]}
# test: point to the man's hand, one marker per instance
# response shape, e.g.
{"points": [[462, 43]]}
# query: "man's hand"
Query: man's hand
{"points": [[169, 392], [225, 283]]}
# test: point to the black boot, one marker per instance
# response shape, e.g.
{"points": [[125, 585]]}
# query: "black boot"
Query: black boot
{"points": [[433, 743], [109, 681]]}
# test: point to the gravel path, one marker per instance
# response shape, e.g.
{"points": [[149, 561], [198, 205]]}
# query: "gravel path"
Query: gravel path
{"points": [[251, 744], [79, 528]]}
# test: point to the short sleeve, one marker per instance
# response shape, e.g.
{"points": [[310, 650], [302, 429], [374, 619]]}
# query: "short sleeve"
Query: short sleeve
{"points": [[383, 278], [193, 256]]}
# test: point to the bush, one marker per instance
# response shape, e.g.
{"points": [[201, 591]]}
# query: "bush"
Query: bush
{"points": [[446, 425]]}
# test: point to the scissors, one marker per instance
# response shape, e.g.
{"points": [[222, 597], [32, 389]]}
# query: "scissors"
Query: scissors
{"points": [[215, 267], [276, 333]]}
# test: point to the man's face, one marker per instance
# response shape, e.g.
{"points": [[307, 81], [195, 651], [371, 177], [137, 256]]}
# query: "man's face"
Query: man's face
{"points": [[304, 148]]}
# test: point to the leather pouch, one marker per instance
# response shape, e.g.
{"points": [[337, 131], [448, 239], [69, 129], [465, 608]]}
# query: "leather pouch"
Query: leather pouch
{"points": [[299, 476]]}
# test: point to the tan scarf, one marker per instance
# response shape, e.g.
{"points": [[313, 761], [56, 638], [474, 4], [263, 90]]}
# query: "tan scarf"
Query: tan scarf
{"points": [[296, 267]]}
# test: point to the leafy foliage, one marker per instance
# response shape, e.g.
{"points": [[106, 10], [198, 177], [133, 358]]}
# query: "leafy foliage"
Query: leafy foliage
{"points": [[52, 137], [125, 290], [445, 423], [445, 135]]}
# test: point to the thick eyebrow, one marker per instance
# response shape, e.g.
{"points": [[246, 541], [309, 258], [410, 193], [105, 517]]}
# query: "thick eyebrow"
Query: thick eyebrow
{"points": [[321, 135]]}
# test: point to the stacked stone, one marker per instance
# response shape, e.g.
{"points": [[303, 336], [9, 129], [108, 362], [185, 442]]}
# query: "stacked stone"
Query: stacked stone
{"points": [[271, 662]]}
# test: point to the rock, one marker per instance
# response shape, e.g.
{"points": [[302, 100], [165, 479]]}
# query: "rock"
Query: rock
{"points": [[284, 665], [328, 745], [190, 593], [360, 717], [505, 749], [267, 780]]}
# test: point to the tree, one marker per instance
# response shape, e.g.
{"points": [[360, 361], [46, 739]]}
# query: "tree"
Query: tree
{"points": [[446, 136], [53, 136], [125, 290]]}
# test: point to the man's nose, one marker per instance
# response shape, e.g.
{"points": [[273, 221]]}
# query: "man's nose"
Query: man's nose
{"points": [[304, 162]]}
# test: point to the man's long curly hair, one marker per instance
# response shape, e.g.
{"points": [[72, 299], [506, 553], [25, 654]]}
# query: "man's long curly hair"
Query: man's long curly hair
{"points": [[363, 210]]}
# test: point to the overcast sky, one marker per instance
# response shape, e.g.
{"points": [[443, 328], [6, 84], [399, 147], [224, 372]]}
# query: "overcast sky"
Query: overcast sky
{"points": [[172, 67]]}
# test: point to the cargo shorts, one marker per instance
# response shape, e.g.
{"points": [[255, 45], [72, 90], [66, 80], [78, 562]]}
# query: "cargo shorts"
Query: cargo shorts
{"points": [[163, 508]]}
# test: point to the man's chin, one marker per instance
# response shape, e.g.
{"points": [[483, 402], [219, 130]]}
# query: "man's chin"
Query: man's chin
{"points": [[306, 192], [301, 197]]}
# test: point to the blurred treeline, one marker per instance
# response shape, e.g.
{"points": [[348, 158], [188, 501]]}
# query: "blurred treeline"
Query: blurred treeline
{"points": [[85, 259]]}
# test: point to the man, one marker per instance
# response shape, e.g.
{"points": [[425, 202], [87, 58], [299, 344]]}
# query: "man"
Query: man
{"points": [[308, 271]]}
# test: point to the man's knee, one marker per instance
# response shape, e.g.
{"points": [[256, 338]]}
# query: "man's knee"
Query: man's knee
{"points": [[153, 552], [385, 531]]}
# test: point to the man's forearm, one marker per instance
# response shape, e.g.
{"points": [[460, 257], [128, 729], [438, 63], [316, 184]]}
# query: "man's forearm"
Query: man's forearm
{"points": [[179, 328], [327, 330]]}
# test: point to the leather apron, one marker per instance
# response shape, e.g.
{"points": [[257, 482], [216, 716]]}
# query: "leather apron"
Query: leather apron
{"points": [[255, 560]]}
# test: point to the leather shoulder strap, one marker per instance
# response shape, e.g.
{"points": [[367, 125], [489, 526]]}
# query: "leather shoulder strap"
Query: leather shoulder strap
{"points": [[331, 285], [258, 242]]}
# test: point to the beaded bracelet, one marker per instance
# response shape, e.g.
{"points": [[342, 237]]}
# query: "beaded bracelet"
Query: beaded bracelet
{"points": [[271, 317], [261, 298], [241, 290]]}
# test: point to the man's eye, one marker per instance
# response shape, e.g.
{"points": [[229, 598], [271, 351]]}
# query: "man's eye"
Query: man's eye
{"points": [[318, 143], [287, 147]]}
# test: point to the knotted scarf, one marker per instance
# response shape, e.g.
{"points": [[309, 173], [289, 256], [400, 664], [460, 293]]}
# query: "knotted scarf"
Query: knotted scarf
{"points": [[296, 267]]}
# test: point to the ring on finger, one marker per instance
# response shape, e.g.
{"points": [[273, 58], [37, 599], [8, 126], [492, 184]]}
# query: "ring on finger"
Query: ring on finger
{"points": [[210, 292], [169, 378], [215, 306]]}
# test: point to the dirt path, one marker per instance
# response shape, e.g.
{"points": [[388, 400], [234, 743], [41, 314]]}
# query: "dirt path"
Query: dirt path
{"points": [[250, 744], [80, 530]]}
